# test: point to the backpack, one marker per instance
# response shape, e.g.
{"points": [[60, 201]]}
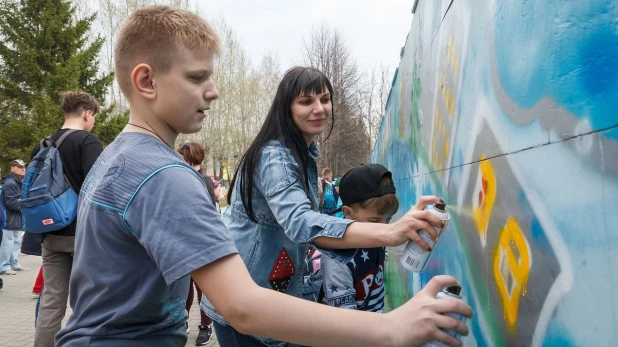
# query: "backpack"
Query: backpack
{"points": [[48, 201], [329, 197]]}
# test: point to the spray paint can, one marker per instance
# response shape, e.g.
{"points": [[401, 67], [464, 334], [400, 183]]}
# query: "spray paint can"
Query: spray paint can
{"points": [[450, 293], [414, 257]]}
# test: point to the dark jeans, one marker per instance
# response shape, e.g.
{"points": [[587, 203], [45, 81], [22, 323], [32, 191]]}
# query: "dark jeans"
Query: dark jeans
{"points": [[36, 310], [229, 337]]}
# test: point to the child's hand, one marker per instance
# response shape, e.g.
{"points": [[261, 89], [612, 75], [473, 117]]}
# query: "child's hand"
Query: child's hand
{"points": [[407, 227], [420, 319]]}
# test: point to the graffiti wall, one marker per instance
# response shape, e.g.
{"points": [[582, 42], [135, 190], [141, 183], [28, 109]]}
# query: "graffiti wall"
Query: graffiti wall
{"points": [[508, 110]]}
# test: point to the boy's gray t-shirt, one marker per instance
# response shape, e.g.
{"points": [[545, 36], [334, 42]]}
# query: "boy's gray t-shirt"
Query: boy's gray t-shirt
{"points": [[145, 221]]}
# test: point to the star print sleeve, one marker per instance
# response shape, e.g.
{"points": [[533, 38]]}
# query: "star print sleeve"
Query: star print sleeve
{"points": [[338, 284]]}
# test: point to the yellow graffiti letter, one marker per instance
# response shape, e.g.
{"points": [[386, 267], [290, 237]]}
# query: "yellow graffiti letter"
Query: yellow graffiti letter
{"points": [[511, 268], [485, 195]]}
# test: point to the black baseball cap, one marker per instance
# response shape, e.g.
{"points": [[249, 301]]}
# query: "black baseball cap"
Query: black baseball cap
{"points": [[363, 182]]}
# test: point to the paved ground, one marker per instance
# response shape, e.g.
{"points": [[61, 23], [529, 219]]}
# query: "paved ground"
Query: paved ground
{"points": [[17, 308]]}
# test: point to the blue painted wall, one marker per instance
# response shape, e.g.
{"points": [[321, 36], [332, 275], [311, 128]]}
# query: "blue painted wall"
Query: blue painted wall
{"points": [[508, 109]]}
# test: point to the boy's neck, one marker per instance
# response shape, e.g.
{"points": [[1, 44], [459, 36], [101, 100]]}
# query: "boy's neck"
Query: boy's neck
{"points": [[151, 127], [70, 123]]}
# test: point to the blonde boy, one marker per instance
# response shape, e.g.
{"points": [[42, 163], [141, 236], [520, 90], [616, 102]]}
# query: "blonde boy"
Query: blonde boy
{"points": [[144, 227]]}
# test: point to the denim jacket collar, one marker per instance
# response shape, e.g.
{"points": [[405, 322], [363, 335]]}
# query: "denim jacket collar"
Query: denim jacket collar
{"points": [[313, 151]]}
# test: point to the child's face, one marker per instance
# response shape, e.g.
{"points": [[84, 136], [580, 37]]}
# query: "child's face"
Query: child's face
{"points": [[184, 93], [365, 215]]}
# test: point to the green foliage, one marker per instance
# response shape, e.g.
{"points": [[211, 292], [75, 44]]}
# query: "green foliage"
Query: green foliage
{"points": [[109, 124], [45, 50]]}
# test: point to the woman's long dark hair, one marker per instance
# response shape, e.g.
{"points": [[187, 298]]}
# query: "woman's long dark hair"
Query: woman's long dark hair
{"points": [[279, 125]]}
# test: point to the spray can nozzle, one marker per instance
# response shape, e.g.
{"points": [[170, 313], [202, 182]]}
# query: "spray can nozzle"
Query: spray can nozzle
{"points": [[455, 290], [440, 207]]}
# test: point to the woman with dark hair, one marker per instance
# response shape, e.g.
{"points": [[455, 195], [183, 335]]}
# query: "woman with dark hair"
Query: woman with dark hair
{"points": [[273, 199], [194, 153]]}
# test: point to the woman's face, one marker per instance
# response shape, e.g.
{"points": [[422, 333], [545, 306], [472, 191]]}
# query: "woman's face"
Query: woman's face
{"points": [[311, 113]]}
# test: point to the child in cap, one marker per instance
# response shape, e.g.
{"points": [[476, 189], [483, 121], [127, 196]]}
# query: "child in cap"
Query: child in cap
{"points": [[146, 222], [368, 195]]}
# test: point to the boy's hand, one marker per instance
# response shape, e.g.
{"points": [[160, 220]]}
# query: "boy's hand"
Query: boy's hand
{"points": [[420, 319], [407, 227]]}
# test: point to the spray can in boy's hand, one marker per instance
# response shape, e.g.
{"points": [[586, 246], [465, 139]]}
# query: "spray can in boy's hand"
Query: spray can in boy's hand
{"points": [[450, 293], [414, 257]]}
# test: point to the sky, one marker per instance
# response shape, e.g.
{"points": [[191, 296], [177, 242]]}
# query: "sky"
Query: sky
{"points": [[375, 31]]}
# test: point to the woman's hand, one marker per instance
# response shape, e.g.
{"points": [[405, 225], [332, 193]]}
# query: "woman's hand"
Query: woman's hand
{"points": [[423, 317], [407, 227], [361, 235]]}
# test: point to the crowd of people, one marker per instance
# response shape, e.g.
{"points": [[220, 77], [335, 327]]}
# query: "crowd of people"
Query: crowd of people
{"points": [[148, 229]]}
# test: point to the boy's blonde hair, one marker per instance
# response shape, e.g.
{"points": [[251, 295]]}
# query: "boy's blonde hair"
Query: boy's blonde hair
{"points": [[155, 35]]}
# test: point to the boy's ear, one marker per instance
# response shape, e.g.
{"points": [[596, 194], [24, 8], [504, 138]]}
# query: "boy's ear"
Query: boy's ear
{"points": [[347, 211], [142, 80]]}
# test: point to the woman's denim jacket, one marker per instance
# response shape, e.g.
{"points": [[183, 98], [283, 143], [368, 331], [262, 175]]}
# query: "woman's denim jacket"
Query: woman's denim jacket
{"points": [[275, 248]]}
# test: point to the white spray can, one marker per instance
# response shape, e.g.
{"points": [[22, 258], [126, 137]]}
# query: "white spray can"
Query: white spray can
{"points": [[450, 293], [414, 257]]}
